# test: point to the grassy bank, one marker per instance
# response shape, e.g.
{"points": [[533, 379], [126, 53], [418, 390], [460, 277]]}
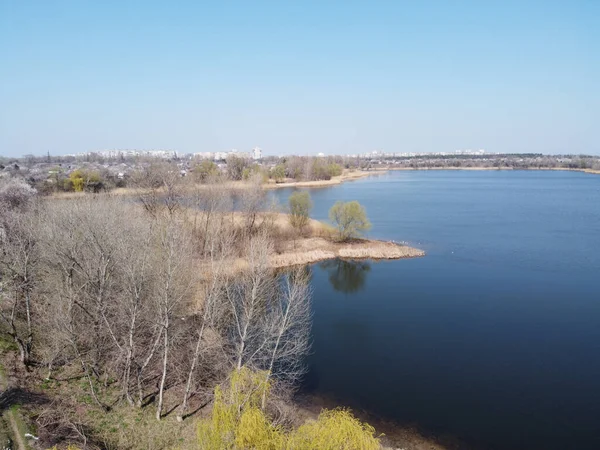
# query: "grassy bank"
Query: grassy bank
{"points": [[317, 243]]}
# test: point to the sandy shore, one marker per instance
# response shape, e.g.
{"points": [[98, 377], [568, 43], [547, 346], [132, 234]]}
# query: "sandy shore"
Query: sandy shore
{"points": [[315, 249], [317, 245], [349, 176]]}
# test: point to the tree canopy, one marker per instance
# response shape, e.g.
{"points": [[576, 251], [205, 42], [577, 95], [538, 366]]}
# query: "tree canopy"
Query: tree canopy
{"points": [[300, 205], [349, 219]]}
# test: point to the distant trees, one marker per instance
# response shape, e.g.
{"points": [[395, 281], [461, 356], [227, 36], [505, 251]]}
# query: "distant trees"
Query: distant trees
{"points": [[83, 180], [158, 185], [349, 219], [15, 194], [308, 168], [300, 205], [278, 173], [205, 171], [236, 166]]}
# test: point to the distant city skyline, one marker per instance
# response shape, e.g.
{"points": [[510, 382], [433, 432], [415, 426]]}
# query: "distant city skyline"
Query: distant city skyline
{"points": [[300, 77], [256, 153]]}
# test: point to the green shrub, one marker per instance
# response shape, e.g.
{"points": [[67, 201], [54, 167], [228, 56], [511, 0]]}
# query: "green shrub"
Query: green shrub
{"points": [[350, 219], [238, 423]]}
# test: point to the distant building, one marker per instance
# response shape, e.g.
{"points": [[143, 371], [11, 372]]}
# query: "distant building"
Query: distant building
{"points": [[256, 153], [321, 155]]}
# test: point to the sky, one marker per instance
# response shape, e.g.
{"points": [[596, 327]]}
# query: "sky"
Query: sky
{"points": [[299, 77]]}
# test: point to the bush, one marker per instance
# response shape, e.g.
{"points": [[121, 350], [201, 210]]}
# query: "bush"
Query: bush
{"points": [[335, 429], [205, 170], [278, 173], [300, 206], [350, 219], [334, 170], [237, 423], [16, 193], [84, 180]]}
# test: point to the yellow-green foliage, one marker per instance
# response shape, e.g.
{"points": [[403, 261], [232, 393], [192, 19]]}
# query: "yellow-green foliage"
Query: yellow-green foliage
{"points": [[335, 429], [80, 179], [77, 182], [255, 431], [238, 423]]}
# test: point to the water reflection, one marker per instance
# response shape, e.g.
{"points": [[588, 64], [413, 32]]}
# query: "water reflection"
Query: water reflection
{"points": [[346, 276]]}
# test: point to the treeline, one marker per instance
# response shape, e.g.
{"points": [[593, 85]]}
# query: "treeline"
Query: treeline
{"points": [[150, 304], [78, 175], [511, 161], [297, 168]]}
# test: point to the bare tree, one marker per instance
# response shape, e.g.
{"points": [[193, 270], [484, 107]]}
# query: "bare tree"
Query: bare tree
{"points": [[212, 309], [291, 321], [141, 334], [19, 267], [173, 288], [211, 201], [159, 187], [252, 202], [248, 297]]}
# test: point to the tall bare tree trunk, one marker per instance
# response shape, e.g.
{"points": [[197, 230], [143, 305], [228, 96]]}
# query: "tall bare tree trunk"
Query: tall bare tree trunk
{"points": [[188, 384], [163, 378]]}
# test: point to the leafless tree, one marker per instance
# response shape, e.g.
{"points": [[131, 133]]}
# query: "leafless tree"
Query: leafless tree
{"points": [[248, 297], [212, 310], [290, 318], [251, 203], [174, 283], [19, 270], [141, 333], [211, 202], [159, 187]]}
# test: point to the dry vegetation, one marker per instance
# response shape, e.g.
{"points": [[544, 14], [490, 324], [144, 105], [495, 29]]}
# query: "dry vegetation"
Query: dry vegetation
{"points": [[123, 312]]}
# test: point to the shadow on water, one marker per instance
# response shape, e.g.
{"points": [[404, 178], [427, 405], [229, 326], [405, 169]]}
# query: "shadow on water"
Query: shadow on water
{"points": [[346, 276]]}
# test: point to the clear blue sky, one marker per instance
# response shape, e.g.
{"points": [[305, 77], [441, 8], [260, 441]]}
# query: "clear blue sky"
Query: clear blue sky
{"points": [[299, 76]]}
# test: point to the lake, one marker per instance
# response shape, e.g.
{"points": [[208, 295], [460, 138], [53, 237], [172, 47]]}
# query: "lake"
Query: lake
{"points": [[494, 336]]}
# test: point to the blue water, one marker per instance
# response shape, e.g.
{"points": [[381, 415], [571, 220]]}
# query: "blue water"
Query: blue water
{"points": [[494, 336]]}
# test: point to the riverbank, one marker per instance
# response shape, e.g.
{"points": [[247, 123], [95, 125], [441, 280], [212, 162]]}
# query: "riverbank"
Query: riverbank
{"points": [[348, 176], [392, 435], [317, 244], [315, 249]]}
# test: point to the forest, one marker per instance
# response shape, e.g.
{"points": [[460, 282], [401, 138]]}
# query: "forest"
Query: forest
{"points": [[156, 320]]}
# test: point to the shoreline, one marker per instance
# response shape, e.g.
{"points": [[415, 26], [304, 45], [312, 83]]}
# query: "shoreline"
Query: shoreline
{"points": [[392, 435], [317, 245], [317, 249], [350, 176], [563, 169]]}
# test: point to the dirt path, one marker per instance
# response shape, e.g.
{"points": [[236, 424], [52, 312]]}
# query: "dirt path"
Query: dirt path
{"points": [[9, 415], [16, 435]]}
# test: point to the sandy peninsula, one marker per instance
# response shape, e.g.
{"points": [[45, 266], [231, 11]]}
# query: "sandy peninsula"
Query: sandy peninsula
{"points": [[346, 176], [317, 244]]}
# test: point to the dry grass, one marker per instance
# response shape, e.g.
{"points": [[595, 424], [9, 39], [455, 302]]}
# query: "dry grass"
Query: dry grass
{"points": [[347, 176], [313, 249]]}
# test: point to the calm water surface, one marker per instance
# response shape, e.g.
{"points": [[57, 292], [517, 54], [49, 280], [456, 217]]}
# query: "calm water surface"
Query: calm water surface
{"points": [[494, 336]]}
